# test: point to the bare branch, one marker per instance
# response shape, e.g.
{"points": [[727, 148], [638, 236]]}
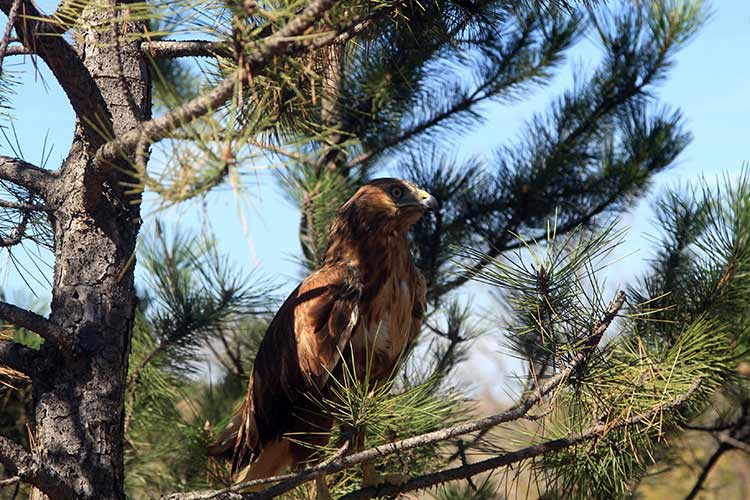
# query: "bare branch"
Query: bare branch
{"points": [[186, 48], [30, 469], [594, 432], [32, 322], [16, 356], [290, 481], [282, 42], [33, 178], [732, 441]]}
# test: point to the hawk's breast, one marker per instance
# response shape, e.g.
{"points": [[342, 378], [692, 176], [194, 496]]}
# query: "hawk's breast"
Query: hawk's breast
{"points": [[385, 327]]}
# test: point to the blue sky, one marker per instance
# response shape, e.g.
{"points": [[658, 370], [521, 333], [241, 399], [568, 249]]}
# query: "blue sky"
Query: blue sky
{"points": [[709, 82]]}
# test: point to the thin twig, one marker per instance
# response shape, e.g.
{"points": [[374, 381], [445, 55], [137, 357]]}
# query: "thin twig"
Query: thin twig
{"points": [[9, 481]]}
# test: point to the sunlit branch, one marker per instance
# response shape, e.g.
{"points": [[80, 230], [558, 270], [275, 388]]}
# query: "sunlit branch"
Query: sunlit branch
{"points": [[25, 174]]}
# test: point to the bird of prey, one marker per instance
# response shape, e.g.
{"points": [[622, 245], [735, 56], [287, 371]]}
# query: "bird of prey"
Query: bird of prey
{"points": [[365, 302]]}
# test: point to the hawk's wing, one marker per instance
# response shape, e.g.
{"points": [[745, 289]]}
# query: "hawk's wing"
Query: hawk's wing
{"points": [[301, 347]]}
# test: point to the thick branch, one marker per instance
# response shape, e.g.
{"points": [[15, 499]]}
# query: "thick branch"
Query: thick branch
{"points": [[26, 175], [39, 34], [32, 322], [290, 481], [16, 356], [31, 470], [282, 42], [594, 432]]}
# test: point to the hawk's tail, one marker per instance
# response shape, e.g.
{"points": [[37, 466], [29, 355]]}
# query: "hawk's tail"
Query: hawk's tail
{"points": [[238, 441]]}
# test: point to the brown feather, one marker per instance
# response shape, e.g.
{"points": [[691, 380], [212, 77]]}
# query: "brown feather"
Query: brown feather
{"points": [[367, 301]]}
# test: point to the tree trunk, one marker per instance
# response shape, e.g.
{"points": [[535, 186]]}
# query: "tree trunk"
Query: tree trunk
{"points": [[78, 397]]}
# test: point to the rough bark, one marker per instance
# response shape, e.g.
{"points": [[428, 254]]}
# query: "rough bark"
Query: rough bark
{"points": [[79, 393]]}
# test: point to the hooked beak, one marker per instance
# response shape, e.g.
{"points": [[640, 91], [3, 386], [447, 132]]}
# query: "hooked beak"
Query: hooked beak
{"points": [[427, 201]]}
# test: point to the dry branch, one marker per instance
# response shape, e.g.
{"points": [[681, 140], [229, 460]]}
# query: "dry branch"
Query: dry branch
{"points": [[186, 48]]}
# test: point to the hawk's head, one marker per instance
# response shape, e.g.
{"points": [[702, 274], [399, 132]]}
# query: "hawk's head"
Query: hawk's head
{"points": [[393, 202]]}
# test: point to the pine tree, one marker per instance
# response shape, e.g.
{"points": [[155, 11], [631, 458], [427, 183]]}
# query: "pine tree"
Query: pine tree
{"points": [[331, 93]]}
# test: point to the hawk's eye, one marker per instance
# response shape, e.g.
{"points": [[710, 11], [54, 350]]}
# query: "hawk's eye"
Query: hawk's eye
{"points": [[396, 192]]}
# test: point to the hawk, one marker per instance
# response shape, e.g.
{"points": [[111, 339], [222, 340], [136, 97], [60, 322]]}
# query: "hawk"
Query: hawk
{"points": [[364, 303]]}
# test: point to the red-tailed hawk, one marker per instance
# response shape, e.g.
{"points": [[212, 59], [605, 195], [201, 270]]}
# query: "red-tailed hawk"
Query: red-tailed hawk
{"points": [[367, 299]]}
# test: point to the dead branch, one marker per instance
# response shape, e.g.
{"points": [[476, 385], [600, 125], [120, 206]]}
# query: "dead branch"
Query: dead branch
{"points": [[12, 13], [33, 207], [186, 48]]}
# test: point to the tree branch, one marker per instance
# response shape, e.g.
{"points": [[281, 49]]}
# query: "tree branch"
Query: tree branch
{"points": [[39, 34], [18, 50], [290, 481], [17, 357], [24, 174], [12, 13], [594, 432], [186, 48], [30, 469], [32, 322], [282, 42], [723, 448], [33, 207]]}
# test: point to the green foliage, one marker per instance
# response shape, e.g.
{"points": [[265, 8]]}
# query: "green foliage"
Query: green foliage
{"points": [[370, 414], [195, 304], [682, 334]]}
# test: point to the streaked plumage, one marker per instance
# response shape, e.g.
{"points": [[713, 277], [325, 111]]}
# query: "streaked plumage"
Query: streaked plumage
{"points": [[366, 298]]}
